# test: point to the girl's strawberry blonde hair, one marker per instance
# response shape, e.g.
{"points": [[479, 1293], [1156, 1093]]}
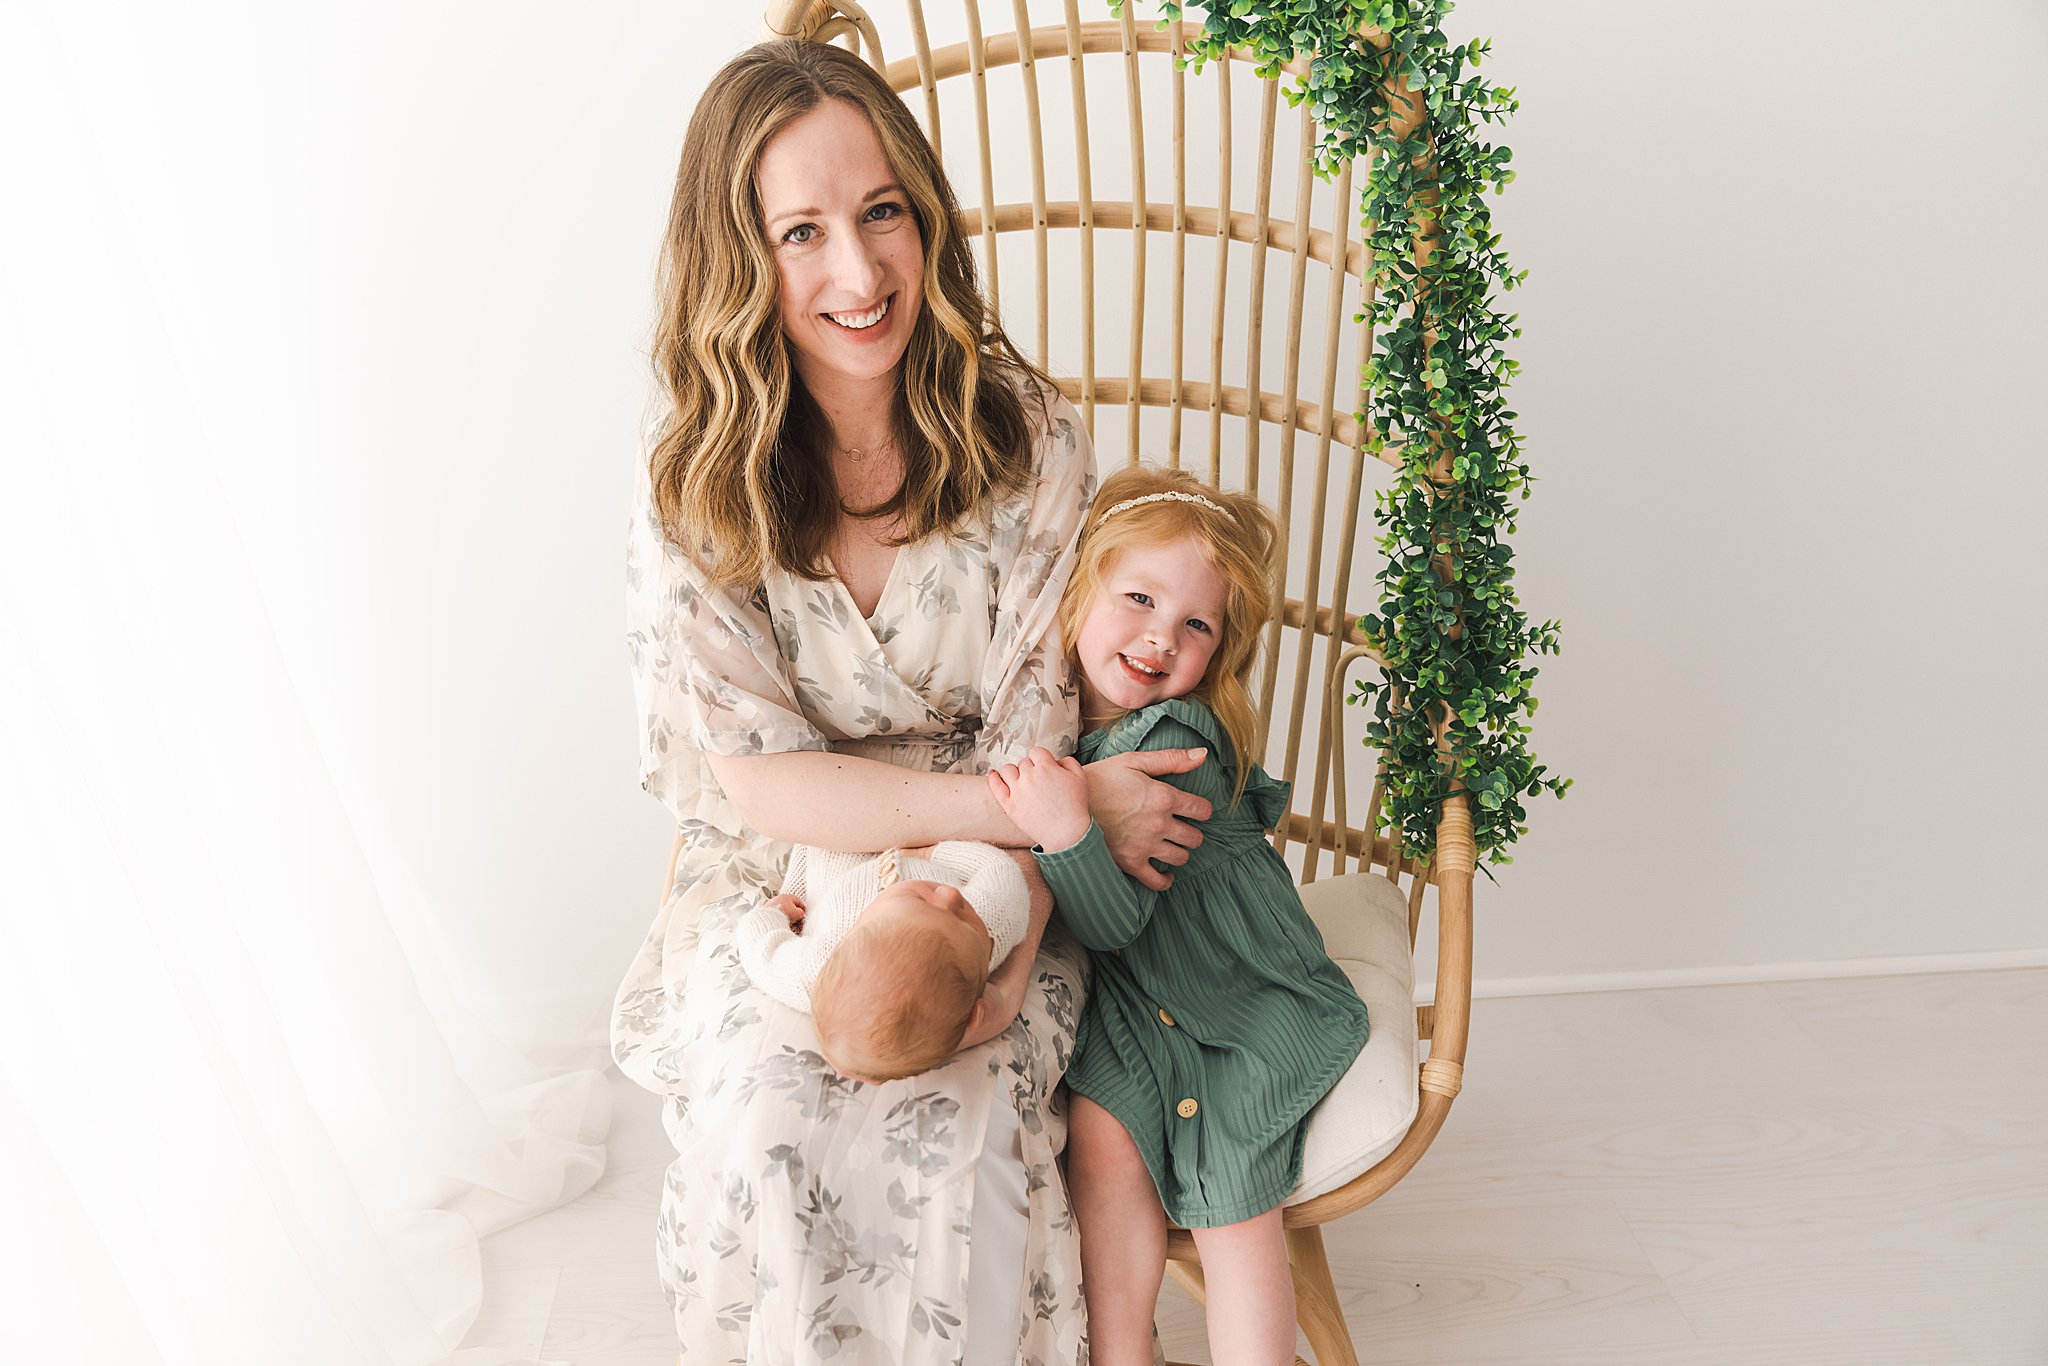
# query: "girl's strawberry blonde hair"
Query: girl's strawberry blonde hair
{"points": [[1236, 531]]}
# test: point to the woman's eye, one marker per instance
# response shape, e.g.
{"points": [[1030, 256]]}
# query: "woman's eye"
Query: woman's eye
{"points": [[800, 235], [885, 211], [1141, 599]]}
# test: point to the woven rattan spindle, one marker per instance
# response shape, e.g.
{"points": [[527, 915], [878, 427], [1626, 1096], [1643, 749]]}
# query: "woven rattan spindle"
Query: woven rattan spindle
{"points": [[1176, 397], [840, 30], [1290, 428], [1079, 81], [1340, 663], [1418, 883], [1222, 269], [925, 77], [1262, 239], [1333, 332], [1134, 101], [1332, 724], [977, 66], [1397, 846], [1027, 61], [1347, 536]]}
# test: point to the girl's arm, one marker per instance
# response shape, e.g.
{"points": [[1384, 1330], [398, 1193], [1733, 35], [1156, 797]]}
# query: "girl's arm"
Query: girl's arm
{"points": [[1102, 906], [1048, 797]]}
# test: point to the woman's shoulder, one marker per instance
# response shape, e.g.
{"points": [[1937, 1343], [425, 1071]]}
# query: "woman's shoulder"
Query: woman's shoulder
{"points": [[1058, 463], [1057, 433]]}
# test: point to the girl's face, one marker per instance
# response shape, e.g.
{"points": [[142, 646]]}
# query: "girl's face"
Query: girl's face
{"points": [[848, 256], [1151, 631]]}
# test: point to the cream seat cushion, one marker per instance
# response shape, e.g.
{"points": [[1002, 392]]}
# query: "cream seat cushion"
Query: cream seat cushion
{"points": [[1364, 920]]}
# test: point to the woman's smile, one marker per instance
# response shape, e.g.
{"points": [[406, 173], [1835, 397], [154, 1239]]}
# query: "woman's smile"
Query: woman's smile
{"points": [[863, 321]]}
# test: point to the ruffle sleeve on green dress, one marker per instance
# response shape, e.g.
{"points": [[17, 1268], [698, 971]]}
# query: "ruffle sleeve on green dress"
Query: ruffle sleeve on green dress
{"points": [[1215, 1020]]}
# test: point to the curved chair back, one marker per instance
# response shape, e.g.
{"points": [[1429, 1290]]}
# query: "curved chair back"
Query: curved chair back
{"points": [[1095, 198]]}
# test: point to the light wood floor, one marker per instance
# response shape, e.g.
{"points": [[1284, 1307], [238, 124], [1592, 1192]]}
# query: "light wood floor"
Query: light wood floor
{"points": [[1834, 1173]]}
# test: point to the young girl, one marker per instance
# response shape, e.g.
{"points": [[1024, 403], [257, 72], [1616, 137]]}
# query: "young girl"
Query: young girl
{"points": [[1215, 1019]]}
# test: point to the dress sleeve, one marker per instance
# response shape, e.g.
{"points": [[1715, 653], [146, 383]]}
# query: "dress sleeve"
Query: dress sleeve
{"points": [[707, 674], [1104, 907], [1027, 695]]}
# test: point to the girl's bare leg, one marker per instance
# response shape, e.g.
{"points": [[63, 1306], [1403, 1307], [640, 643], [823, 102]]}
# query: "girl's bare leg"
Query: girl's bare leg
{"points": [[1251, 1291], [1123, 1235]]}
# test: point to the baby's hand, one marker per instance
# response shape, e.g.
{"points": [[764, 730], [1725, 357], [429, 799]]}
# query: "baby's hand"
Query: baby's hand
{"points": [[793, 910], [1046, 797]]}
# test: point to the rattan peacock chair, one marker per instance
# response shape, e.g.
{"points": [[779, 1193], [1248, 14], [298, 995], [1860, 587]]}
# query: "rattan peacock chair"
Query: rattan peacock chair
{"points": [[1244, 433]]}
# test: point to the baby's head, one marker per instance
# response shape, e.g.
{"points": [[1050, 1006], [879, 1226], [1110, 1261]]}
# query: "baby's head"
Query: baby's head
{"points": [[905, 985], [1173, 584]]}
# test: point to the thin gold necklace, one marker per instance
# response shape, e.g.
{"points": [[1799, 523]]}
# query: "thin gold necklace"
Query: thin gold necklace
{"points": [[859, 453]]}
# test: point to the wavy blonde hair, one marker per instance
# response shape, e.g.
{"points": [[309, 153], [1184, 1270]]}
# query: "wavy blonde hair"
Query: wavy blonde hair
{"points": [[1239, 542], [739, 465]]}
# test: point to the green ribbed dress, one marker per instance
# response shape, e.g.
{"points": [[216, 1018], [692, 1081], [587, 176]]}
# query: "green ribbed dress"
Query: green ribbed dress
{"points": [[1215, 1019]]}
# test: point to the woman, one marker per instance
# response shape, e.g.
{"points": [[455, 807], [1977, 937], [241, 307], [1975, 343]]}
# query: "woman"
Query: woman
{"points": [[858, 513]]}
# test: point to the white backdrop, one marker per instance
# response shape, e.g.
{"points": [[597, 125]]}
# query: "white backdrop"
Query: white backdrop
{"points": [[1783, 301]]}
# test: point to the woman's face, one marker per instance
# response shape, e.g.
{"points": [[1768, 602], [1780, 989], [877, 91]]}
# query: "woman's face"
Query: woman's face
{"points": [[848, 255]]}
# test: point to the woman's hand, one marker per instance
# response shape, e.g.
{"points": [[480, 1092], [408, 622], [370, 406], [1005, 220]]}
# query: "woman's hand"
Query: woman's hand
{"points": [[1142, 818], [1046, 797]]}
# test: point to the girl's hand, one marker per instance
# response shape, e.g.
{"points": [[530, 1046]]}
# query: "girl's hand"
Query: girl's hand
{"points": [[1046, 797], [1142, 818]]}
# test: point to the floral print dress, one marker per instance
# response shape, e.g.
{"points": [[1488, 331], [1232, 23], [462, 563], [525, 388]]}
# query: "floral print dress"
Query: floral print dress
{"points": [[808, 1217]]}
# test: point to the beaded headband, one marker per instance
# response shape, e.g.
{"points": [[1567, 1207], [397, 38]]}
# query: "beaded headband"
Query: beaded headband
{"points": [[1174, 496]]}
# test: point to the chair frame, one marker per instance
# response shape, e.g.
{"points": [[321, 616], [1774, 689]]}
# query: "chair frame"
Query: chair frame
{"points": [[1446, 1022]]}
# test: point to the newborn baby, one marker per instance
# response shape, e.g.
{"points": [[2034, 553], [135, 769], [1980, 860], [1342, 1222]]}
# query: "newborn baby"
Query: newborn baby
{"points": [[890, 954]]}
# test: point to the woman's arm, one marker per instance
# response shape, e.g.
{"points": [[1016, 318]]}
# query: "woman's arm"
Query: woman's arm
{"points": [[838, 801]]}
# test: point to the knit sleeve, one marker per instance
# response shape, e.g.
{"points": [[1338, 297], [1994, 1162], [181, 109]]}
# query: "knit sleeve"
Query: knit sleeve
{"points": [[773, 956], [993, 885], [796, 877]]}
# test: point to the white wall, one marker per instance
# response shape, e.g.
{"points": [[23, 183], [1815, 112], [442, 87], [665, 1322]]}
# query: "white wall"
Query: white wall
{"points": [[1782, 304], [1782, 317]]}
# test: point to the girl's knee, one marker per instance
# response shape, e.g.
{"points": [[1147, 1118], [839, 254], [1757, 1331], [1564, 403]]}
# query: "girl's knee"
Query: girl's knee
{"points": [[1257, 1230], [1099, 1140]]}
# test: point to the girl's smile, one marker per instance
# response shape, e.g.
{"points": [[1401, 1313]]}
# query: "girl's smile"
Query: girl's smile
{"points": [[1150, 633]]}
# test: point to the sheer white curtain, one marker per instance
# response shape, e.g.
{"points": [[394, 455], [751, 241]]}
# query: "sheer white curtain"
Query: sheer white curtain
{"points": [[243, 1118]]}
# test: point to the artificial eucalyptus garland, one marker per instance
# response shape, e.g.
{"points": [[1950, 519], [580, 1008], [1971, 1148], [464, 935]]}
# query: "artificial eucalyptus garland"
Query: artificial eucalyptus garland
{"points": [[1449, 714]]}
